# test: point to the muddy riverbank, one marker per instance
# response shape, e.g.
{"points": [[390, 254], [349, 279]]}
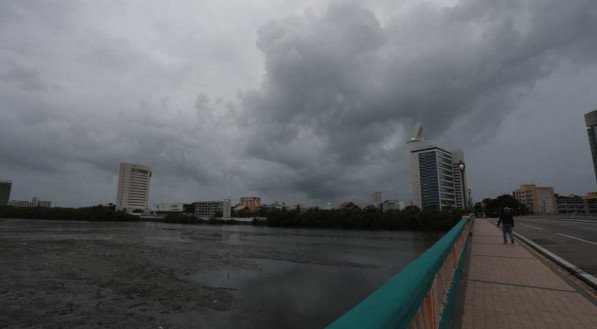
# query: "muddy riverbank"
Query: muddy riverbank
{"points": [[57, 274]]}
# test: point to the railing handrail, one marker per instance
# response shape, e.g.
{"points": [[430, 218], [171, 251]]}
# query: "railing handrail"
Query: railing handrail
{"points": [[395, 303]]}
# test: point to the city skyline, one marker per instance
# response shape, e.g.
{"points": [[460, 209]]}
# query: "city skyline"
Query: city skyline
{"points": [[307, 102]]}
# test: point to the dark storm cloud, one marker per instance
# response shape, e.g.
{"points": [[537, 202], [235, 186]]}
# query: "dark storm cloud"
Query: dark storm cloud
{"points": [[85, 86], [341, 85]]}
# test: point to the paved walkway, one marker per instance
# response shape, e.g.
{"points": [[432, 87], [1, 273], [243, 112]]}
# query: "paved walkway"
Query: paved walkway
{"points": [[508, 287]]}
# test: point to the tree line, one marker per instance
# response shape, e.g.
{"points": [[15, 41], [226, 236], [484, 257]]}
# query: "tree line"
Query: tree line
{"points": [[94, 213], [494, 207], [411, 218]]}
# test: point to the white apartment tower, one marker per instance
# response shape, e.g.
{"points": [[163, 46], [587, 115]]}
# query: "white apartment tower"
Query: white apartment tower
{"points": [[133, 187]]}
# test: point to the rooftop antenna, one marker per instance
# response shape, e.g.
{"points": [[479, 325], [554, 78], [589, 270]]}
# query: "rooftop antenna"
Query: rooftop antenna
{"points": [[418, 137]]}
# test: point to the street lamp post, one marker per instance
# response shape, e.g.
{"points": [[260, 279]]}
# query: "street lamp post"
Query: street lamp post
{"points": [[461, 168]]}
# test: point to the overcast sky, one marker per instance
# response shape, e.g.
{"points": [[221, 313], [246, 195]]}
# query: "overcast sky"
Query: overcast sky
{"points": [[296, 101]]}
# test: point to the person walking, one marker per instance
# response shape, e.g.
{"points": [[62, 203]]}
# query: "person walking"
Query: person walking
{"points": [[507, 221]]}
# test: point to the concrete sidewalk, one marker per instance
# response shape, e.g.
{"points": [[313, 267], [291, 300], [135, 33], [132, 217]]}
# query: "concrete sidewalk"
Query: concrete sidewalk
{"points": [[508, 287]]}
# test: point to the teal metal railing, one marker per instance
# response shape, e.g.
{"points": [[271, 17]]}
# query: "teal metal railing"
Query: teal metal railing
{"points": [[422, 295]]}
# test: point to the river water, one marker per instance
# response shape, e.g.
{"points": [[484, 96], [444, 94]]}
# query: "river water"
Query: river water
{"points": [[58, 274]]}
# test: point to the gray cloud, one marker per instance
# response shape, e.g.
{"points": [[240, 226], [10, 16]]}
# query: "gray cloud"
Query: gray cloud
{"points": [[341, 85]]}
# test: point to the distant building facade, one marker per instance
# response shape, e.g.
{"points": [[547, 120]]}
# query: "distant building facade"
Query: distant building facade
{"points": [[575, 204], [349, 206], [209, 209], [572, 204], [5, 188], [393, 205], [20, 203], [133, 187], [377, 198], [591, 203], [188, 208], [35, 202], [591, 123], [251, 203], [436, 180], [276, 205], [174, 207], [539, 200]]}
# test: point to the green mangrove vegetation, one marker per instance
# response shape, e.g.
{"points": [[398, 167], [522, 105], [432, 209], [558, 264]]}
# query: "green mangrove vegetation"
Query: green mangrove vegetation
{"points": [[411, 218], [95, 213]]}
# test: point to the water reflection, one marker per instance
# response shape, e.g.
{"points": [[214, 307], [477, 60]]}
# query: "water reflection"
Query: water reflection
{"points": [[306, 278]]}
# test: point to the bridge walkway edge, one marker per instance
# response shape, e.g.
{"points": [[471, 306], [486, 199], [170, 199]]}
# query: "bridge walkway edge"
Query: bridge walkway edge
{"points": [[508, 287]]}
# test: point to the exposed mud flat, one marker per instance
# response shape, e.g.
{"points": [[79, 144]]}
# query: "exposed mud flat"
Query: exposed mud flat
{"points": [[56, 274]]}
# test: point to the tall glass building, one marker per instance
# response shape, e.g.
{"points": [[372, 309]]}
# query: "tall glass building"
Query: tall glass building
{"points": [[591, 121], [436, 182]]}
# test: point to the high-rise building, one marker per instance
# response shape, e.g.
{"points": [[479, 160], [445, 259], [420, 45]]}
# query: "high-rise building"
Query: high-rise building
{"points": [[5, 188], [133, 187], [591, 121], [377, 198], [438, 178], [539, 200]]}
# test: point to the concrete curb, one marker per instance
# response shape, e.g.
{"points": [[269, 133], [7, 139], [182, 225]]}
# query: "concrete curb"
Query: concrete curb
{"points": [[587, 278]]}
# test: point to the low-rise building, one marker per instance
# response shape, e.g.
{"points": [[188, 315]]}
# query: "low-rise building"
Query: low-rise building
{"points": [[20, 203], [209, 209], [349, 206], [188, 208], [276, 205], [35, 202], [591, 203], [539, 200], [393, 205], [572, 204], [251, 203], [166, 208]]}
